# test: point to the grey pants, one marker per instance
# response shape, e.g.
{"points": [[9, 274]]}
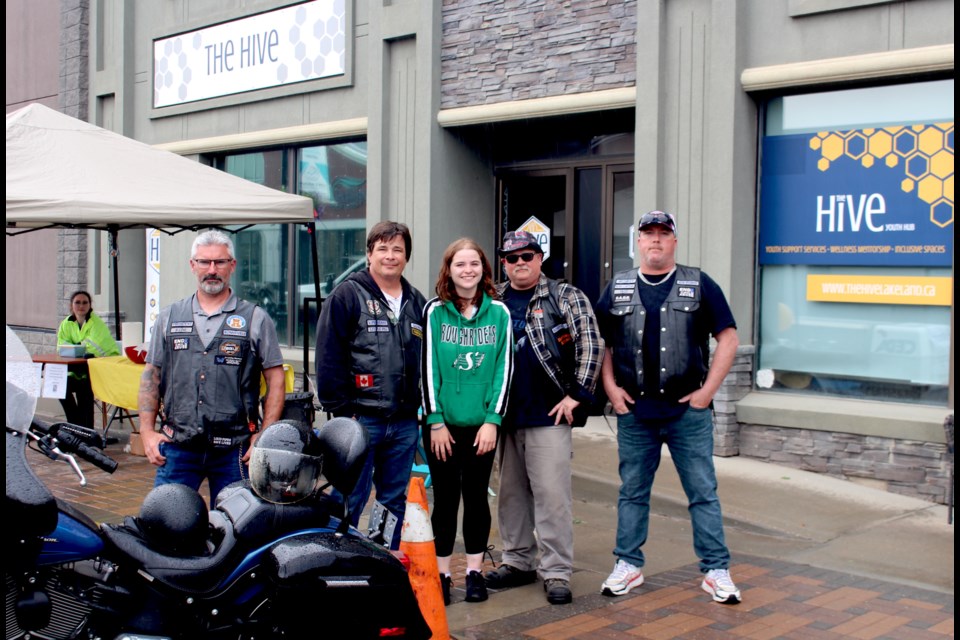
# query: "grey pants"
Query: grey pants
{"points": [[535, 495]]}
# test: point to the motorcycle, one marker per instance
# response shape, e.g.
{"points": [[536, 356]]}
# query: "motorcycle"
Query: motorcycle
{"points": [[261, 569]]}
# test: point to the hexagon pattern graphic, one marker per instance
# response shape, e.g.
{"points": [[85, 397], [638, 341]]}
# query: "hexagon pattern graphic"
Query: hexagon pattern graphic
{"points": [[314, 36], [925, 151]]}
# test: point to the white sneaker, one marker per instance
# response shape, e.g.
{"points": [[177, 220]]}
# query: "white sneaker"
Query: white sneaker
{"points": [[719, 584], [625, 576]]}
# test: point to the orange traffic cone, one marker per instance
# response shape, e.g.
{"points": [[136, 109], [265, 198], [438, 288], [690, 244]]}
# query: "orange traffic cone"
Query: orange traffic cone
{"points": [[416, 541]]}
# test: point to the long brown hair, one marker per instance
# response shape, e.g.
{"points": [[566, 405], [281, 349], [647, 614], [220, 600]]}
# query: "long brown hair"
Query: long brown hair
{"points": [[445, 288]]}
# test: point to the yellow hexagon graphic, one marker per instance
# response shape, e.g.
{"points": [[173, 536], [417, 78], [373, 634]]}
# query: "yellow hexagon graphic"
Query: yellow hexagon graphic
{"points": [[918, 166], [907, 185], [823, 164], [930, 189], [941, 164], [814, 143], [948, 188], [905, 142], [832, 147], [880, 144], [892, 160], [867, 161], [855, 145], [941, 213], [931, 140]]}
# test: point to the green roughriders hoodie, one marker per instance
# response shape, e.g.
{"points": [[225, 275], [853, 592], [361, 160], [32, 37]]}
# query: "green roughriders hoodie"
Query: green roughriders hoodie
{"points": [[467, 363]]}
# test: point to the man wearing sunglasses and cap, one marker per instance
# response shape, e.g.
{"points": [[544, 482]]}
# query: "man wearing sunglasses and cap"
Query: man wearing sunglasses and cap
{"points": [[556, 369], [657, 321]]}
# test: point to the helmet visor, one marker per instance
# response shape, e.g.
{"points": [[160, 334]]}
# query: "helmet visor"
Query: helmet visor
{"points": [[283, 477]]}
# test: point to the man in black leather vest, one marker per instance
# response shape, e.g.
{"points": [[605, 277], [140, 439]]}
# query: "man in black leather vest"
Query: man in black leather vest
{"points": [[368, 368], [657, 322], [204, 363]]}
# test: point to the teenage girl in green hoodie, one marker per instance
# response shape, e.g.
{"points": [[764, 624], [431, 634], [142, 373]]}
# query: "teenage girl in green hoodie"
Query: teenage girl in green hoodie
{"points": [[467, 363]]}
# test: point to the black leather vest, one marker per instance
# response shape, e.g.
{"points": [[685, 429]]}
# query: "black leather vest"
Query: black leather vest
{"points": [[210, 394], [683, 365], [385, 352]]}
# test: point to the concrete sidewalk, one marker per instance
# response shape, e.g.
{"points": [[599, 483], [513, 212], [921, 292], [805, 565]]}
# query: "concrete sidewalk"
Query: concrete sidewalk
{"points": [[779, 522]]}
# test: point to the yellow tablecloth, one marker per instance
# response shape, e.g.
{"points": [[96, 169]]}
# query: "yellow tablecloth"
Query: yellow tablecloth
{"points": [[116, 380]]}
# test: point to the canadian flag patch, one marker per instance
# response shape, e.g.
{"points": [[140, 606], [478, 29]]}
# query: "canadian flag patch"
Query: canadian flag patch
{"points": [[364, 380]]}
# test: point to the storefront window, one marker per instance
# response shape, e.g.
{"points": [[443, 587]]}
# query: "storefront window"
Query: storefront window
{"points": [[856, 243], [275, 262], [335, 177]]}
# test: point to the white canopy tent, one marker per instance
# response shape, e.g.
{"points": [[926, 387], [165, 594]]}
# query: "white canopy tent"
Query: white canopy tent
{"points": [[63, 172]]}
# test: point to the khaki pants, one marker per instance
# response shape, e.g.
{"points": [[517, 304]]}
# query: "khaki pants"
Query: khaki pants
{"points": [[535, 494]]}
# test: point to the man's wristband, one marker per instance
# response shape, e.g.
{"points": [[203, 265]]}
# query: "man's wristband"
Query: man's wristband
{"points": [[437, 427]]}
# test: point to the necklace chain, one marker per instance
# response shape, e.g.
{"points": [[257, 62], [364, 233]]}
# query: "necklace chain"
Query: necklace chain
{"points": [[656, 284]]}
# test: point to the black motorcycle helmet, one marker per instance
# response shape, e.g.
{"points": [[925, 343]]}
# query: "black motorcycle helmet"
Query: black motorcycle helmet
{"points": [[174, 520], [286, 463]]}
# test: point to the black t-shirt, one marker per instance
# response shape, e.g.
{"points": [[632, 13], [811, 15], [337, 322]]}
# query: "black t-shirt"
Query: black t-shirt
{"points": [[532, 393], [716, 316]]}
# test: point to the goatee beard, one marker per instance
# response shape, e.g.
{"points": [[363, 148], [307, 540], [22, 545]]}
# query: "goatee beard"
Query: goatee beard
{"points": [[212, 286]]}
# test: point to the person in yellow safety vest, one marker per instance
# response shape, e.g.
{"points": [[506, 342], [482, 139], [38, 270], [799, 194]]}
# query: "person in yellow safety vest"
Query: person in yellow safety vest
{"points": [[83, 327]]}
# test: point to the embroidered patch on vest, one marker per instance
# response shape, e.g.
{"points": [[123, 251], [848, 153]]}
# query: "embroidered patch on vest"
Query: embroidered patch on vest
{"points": [[181, 344], [235, 334], [232, 361], [220, 441], [686, 292], [622, 298], [230, 348], [181, 329], [416, 330], [235, 322], [695, 283], [364, 380], [373, 306]]}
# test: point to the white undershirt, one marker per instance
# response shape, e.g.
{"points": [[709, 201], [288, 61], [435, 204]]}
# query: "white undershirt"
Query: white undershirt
{"points": [[394, 303]]}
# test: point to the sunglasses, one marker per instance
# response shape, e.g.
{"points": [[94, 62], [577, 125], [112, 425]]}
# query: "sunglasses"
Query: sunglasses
{"points": [[658, 217], [219, 263], [514, 258]]}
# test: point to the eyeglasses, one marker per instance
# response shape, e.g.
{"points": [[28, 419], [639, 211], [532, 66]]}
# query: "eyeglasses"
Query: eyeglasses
{"points": [[526, 256], [219, 262]]}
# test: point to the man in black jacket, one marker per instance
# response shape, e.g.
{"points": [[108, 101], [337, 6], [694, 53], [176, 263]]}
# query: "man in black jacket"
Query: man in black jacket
{"points": [[368, 368]]}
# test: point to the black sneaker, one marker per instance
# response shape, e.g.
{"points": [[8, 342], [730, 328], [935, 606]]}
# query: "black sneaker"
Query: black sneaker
{"points": [[506, 576], [558, 591], [445, 583], [476, 589]]}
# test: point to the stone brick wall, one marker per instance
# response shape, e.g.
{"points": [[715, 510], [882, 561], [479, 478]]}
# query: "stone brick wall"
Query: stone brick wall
{"points": [[74, 95], [907, 467], [503, 50], [737, 384]]}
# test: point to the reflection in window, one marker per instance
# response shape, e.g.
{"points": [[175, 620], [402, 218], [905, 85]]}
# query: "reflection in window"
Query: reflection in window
{"points": [[335, 177], [274, 262]]}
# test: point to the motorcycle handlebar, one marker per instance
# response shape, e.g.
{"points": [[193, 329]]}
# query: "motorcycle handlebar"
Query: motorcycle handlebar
{"points": [[92, 455], [82, 441]]}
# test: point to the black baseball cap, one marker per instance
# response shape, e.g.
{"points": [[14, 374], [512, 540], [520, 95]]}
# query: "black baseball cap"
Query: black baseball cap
{"points": [[661, 218]]}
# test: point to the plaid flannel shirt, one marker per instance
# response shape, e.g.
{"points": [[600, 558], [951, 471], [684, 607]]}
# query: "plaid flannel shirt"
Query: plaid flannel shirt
{"points": [[589, 346]]}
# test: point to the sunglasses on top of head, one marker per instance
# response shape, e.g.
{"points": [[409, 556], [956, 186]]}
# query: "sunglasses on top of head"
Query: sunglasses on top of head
{"points": [[526, 256]]}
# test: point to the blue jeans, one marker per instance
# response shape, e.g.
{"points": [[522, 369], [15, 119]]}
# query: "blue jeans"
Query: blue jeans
{"points": [[190, 465], [690, 440], [393, 444]]}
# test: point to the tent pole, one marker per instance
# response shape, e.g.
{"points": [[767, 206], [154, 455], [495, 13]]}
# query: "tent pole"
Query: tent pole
{"points": [[114, 255], [312, 232]]}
